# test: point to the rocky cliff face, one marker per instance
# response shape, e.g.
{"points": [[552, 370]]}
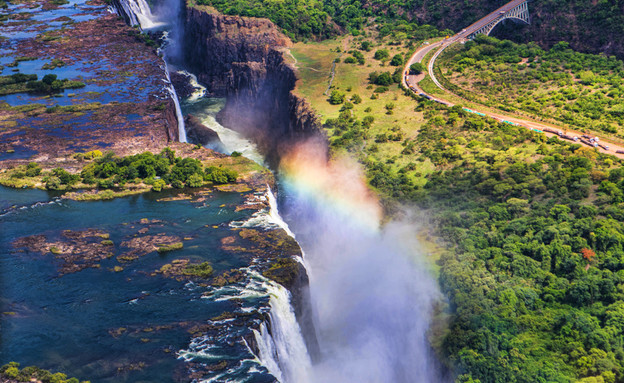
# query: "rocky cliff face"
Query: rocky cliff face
{"points": [[241, 59]]}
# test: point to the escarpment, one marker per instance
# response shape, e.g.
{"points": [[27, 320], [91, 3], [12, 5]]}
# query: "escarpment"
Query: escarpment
{"points": [[242, 59]]}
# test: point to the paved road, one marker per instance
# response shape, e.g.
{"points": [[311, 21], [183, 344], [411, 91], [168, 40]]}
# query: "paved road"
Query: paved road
{"points": [[411, 81]]}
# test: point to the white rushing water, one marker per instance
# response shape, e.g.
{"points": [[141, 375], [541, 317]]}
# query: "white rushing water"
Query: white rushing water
{"points": [[370, 285], [206, 109], [283, 350], [174, 97], [139, 13], [199, 91]]}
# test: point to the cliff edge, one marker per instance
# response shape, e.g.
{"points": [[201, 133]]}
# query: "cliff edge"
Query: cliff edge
{"points": [[242, 59]]}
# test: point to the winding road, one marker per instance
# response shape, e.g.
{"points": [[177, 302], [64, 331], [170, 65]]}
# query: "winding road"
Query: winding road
{"points": [[411, 82]]}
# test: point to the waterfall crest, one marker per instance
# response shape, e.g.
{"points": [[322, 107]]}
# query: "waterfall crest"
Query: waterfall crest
{"points": [[137, 12]]}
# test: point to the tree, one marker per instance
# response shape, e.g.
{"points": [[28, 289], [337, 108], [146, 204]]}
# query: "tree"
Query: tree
{"points": [[382, 54], [397, 60], [158, 185], [195, 181], [336, 97], [588, 254], [417, 68]]}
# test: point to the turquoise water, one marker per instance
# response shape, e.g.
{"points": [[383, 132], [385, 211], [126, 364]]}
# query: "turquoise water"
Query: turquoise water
{"points": [[71, 323]]}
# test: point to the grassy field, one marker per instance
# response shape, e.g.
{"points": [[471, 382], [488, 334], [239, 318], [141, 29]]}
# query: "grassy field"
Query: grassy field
{"points": [[314, 63], [560, 86]]}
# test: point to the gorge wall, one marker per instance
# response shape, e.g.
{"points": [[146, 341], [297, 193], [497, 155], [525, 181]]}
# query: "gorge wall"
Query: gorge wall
{"points": [[242, 59]]}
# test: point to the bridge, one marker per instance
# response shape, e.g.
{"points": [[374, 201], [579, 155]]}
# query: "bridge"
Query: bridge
{"points": [[516, 9]]}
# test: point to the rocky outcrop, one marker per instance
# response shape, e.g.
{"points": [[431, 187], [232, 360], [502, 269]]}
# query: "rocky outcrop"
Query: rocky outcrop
{"points": [[198, 133], [242, 59], [171, 119]]}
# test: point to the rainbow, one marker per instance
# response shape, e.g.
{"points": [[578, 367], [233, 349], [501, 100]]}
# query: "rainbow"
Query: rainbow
{"points": [[337, 184]]}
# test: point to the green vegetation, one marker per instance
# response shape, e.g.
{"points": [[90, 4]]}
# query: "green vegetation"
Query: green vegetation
{"points": [[158, 170], [534, 269], [202, 270], [299, 19], [283, 271], [220, 175], [581, 90], [314, 19], [171, 247], [55, 63], [417, 68], [22, 83], [11, 372], [109, 171]]}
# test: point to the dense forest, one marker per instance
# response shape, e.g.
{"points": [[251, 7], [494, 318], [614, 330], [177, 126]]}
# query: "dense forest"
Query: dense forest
{"points": [[535, 266]]}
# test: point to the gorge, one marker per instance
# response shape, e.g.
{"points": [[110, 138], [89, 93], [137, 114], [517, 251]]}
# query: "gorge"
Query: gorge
{"points": [[366, 316]]}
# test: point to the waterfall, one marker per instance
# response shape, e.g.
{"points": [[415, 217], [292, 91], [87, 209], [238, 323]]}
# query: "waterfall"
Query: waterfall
{"points": [[274, 213], [174, 96], [282, 350], [139, 13]]}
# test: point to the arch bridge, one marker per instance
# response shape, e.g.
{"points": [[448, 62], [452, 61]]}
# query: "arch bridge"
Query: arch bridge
{"points": [[517, 10]]}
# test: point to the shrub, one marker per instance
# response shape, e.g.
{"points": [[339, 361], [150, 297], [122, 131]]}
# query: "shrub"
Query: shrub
{"points": [[32, 169], [397, 60], [220, 175], [158, 185], [52, 183], [417, 68], [195, 181], [336, 97], [382, 54], [202, 270], [383, 79], [171, 247]]}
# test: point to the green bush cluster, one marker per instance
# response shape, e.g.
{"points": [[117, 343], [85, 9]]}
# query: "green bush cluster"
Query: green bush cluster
{"points": [[202, 270], [385, 78], [336, 97], [19, 83], [299, 19], [349, 132], [158, 170], [31, 373], [316, 19]]}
